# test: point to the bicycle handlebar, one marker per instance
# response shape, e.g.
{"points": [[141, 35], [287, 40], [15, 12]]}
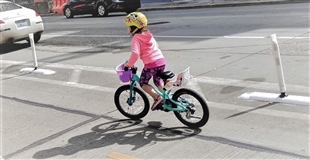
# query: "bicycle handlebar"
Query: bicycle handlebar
{"points": [[132, 68]]}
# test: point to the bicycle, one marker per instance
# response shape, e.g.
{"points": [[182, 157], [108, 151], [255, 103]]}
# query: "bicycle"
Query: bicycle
{"points": [[133, 103]]}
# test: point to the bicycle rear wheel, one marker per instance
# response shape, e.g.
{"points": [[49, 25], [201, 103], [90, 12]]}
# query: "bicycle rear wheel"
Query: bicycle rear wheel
{"points": [[198, 112], [135, 108]]}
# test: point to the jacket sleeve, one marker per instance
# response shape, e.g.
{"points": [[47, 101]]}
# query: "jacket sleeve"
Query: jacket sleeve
{"points": [[135, 51]]}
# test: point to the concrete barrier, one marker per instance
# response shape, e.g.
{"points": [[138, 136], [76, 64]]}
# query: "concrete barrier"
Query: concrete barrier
{"points": [[40, 7]]}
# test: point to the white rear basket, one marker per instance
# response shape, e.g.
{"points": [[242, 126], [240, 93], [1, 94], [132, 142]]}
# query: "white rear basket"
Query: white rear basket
{"points": [[182, 78]]}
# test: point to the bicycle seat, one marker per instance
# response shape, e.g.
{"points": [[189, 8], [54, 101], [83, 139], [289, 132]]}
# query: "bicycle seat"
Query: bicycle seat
{"points": [[165, 75]]}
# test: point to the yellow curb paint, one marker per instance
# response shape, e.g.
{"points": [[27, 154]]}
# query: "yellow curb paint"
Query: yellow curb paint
{"points": [[120, 156]]}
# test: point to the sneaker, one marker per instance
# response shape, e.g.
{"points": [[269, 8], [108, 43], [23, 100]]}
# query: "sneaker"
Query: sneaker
{"points": [[156, 103]]}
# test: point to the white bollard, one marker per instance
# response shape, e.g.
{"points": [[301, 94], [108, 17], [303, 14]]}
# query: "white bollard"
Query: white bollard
{"points": [[276, 54], [271, 97], [34, 54], [35, 61]]}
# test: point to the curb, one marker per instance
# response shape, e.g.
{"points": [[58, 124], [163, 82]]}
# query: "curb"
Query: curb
{"points": [[212, 5], [182, 5]]}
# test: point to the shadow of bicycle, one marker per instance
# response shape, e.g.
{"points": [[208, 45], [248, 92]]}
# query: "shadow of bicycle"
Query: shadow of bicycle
{"points": [[121, 132]]}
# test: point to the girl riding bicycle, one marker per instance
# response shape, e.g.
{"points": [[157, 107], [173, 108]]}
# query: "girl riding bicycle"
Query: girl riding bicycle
{"points": [[145, 47]]}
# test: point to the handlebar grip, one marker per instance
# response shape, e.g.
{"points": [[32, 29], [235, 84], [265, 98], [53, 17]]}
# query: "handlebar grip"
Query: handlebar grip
{"points": [[126, 68]]}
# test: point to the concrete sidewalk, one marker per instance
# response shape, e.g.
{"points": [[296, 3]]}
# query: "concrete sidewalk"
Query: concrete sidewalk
{"points": [[186, 4]]}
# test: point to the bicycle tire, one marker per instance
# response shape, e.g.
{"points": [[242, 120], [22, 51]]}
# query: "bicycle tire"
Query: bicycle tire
{"points": [[126, 113], [205, 115]]}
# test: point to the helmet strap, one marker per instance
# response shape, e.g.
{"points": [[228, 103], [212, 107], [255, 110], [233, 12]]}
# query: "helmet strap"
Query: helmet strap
{"points": [[134, 31]]}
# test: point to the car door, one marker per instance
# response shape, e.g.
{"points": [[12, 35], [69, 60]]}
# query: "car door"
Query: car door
{"points": [[77, 5], [90, 5], [130, 5]]}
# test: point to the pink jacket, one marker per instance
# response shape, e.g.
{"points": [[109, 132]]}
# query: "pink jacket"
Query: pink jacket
{"points": [[145, 47]]}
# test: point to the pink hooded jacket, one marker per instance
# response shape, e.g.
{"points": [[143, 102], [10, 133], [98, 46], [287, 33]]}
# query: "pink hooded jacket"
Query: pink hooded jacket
{"points": [[145, 47]]}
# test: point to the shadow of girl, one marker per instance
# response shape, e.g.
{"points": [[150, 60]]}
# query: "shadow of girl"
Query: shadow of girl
{"points": [[116, 133]]}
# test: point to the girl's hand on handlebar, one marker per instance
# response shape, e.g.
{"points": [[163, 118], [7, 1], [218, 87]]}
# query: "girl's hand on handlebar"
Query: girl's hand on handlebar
{"points": [[126, 67]]}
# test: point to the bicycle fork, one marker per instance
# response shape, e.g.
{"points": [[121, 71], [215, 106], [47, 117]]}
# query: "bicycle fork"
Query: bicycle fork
{"points": [[132, 95]]}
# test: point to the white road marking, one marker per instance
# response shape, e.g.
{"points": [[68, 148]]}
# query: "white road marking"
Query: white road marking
{"points": [[182, 37], [76, 23], [240, 108], [200, 79], [252, 84], [64, 66], [62, 83], [244, 37], [274, 98], [57, 34]]}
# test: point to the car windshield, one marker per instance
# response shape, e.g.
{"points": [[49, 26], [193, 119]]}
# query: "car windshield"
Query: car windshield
{"points": [[8, 6]]}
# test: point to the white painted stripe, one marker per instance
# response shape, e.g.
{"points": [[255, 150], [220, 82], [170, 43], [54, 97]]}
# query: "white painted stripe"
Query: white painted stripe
{"points": [[37, 71], [201, 79], [243, 37], [271, 97], [77, 23], [91, 36], [56, 82], [63, 66], [75, 76], [215, 105], [251, 84], [57, 34], [181, 37]]}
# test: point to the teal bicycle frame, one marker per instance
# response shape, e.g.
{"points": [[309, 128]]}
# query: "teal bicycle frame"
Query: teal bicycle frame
{"points": [[165, 95]]}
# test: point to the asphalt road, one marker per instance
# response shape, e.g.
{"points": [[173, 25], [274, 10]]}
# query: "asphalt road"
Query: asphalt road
{"points": [[71, 114]]}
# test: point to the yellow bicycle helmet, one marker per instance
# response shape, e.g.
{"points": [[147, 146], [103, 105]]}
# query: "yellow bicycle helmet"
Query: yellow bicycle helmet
{"points": [[136, 19]]}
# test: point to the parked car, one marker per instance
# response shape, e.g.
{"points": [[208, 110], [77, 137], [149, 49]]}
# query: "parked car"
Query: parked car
{"points": [[17, 22], [99, 7]]}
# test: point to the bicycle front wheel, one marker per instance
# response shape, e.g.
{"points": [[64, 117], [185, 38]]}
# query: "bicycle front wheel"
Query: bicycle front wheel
{"points": [[135, 107], [197, 114]]}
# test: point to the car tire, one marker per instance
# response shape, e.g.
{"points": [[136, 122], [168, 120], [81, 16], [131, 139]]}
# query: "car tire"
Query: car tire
{"points": [[37, 37], [101, 10], [68, 12]]}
